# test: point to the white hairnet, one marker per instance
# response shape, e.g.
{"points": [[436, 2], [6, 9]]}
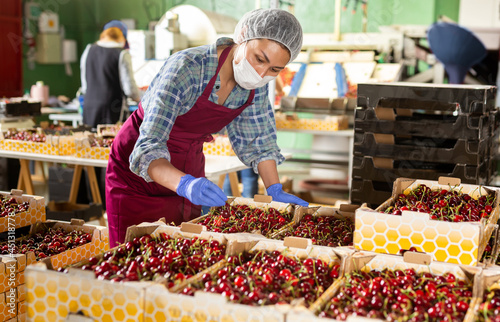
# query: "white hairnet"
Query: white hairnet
{"points": [[274, 24]]}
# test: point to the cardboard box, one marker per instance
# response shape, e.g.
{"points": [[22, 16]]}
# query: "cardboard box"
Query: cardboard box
{"points": [[220, 145], [260, 202], [344, 211], [366, 261], [453, 242], [330, 123], [53, 145], [490, 280], [83, 149], [162, 305], [98, 244], [80, 291], [12, 269], [35, 212], [10, 302]]}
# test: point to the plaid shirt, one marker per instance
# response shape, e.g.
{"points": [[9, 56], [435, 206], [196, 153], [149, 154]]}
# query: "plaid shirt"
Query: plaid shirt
{"points": [[174, 91]]}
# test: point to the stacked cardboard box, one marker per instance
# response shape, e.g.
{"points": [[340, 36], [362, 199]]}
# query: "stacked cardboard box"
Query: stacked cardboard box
{"points": [[422, 131]]}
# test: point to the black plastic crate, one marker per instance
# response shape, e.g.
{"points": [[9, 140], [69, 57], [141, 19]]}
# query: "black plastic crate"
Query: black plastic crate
{"points": [[388, 170], [470, 99], [20, 108], [373, 193], [414, 148], [65, 211], [59, 184], [387, 121]]}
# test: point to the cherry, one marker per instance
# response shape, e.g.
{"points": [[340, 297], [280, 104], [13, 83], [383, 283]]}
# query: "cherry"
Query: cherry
{"points": [[447, 205]]}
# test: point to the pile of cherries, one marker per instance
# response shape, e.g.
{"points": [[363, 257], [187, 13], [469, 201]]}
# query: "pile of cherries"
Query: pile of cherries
{"points": [[10, 205], [102, 142], [324, 230], [243, 218], [24, 135], [489, 310], [446, 205], [263, 278], [145, 258], [397, 295], [46, 244]]}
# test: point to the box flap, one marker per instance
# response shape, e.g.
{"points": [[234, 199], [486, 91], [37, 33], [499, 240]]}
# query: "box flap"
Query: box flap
{"points": [[235, 247], [77, 222], [263, 198], [357, 261], [417, 258], [297, 242], [16, 192], [192, 228], [449, 181], [140, 230]]}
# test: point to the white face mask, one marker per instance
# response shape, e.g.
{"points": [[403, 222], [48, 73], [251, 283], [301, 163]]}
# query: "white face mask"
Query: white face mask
{"points": [[247, 77]]}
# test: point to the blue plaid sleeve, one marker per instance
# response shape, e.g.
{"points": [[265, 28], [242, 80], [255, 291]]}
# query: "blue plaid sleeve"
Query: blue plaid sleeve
{"points": [[172, 93], [253, 132]]}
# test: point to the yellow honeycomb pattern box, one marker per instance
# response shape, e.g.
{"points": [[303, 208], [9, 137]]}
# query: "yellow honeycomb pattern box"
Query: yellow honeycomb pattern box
{"points": [[98, 244], [367, 261], [12, 270], [54, 296], [162, 305], [35, 212], [53, 145], [219, 146], [80, 291], [84, 150], [10, 302], [453, 242], [331, 123]]}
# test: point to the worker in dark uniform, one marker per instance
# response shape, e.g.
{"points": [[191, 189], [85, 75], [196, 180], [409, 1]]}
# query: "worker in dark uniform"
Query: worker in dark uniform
{"points": [[107, 76]]}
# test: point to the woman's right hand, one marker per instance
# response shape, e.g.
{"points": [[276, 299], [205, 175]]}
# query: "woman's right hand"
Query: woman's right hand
{"points": [[201, 191]]}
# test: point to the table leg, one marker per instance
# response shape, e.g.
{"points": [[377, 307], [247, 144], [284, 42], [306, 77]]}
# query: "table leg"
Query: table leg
{"points": [[94, 189], [233, 180], [24, 182], [39, 172], [75, 184]]}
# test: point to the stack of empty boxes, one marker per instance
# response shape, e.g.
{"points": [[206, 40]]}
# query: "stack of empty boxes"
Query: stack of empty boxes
{"points": [[422, 131]]}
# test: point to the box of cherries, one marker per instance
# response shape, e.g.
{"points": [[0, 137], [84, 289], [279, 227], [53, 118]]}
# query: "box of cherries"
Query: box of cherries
{"points": [[397, 288], [325, 226], [152, 254], [36, 141], [258, 281], [452, 222], [249, 218], [19, 210]]}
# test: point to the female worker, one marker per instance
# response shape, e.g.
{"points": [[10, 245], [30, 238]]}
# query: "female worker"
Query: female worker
{"points": [[156, 165]]}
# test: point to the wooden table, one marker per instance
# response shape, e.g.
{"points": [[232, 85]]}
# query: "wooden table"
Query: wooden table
{"points": [[214, 166]]}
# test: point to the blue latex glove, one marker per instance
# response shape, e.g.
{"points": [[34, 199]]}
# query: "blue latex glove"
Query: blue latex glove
{"points": [[276, 191], [201, 191]]}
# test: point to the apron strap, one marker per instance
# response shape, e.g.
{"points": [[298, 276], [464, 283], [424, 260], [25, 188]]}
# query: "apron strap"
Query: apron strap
{"points": [[222, 59]]}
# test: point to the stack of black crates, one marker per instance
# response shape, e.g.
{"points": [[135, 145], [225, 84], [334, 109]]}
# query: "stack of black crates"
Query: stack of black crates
{"points": [[422, 131]]}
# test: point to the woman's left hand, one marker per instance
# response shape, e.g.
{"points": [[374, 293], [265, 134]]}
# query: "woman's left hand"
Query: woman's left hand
{"points": [[276, 191]]}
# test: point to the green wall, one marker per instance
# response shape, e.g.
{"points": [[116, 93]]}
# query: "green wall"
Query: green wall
{"points": [[83, 20]]}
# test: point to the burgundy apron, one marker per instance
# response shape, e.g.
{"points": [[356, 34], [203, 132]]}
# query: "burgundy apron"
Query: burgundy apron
{"points": [[131, 200]]}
